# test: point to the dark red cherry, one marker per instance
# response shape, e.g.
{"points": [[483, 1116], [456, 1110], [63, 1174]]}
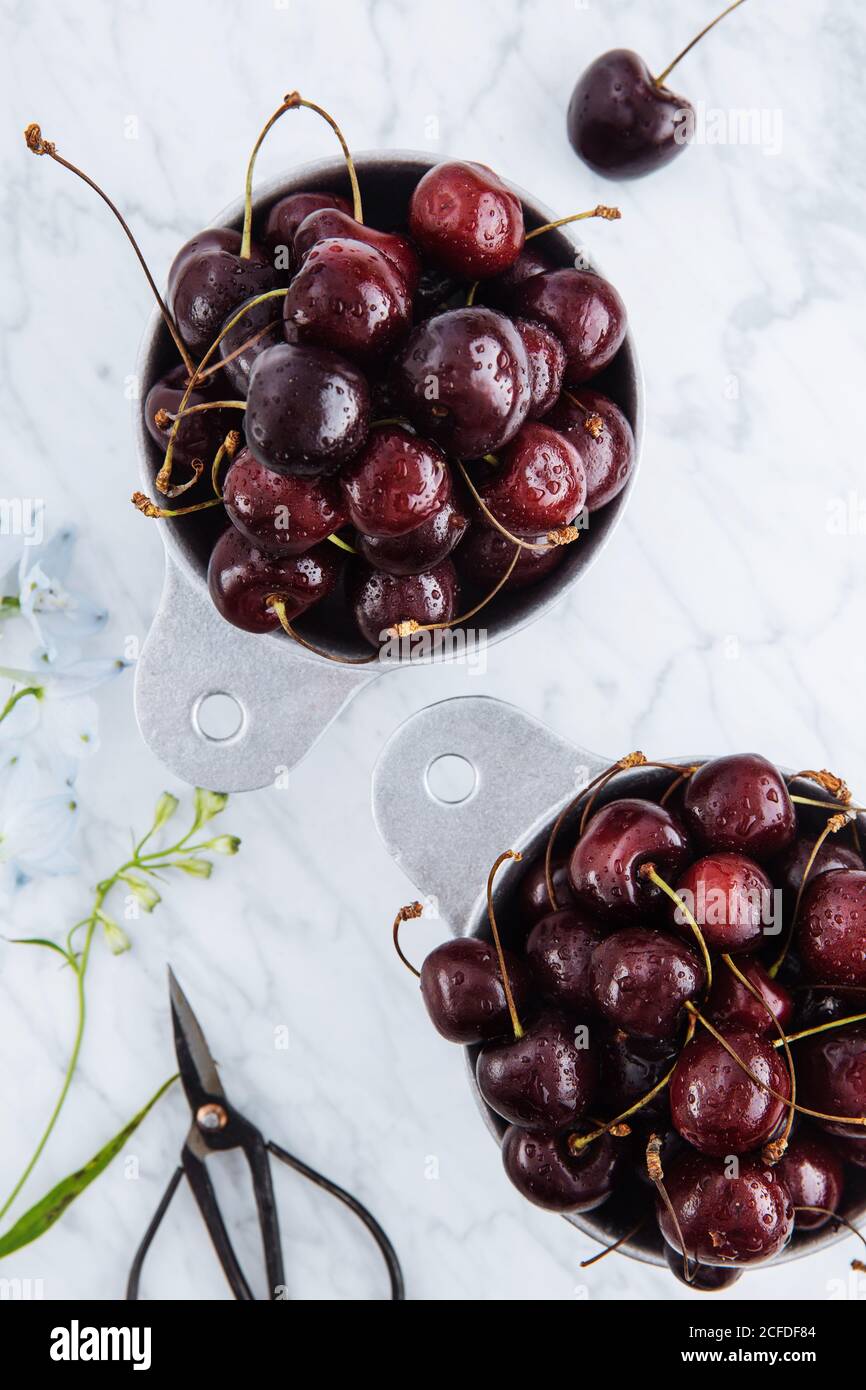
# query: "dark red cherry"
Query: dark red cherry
{"points": [[348, 298], [701, 1278], [423, 548], [731, 899], [383, 600], [211, 239], [605, 864], [241, 579], [308, 410], [602, 436], [286, 216], [542, 1080], [831, 928], [208, 282], [548, 1173], [831, 1077], [538, 484], [461, 985], [727, 1216], [467, 220], [731, 1006], [789, 868], [533, 895], [819, 1006], [629, 1070], [546, 357], [280, 513], [486, 554], [715, 1106], [558, 951], [740, 803], [500, 290], [260, 328], [583, 310], [436, 288], [621, 122], [641, 979], [813, 1173], [395, 482], [198, 436], [330, 222], [463, 380]]}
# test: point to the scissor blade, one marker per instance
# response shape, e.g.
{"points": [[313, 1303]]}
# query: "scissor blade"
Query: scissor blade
{"points": [[198, 1071]]}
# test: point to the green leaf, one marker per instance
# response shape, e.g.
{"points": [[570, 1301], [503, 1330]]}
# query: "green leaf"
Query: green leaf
{"points": [[208, 804], [40, 941], [115, 937], [145, 892], [225, 844], [35, 1222], [165, 809], [197, 868]]}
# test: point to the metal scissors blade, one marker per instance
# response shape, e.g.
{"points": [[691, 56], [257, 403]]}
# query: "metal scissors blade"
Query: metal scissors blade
{"points": [[197, 1067]]}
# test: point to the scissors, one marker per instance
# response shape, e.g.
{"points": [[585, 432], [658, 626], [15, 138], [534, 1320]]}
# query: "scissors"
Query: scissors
{"points": [[217, 1126]]}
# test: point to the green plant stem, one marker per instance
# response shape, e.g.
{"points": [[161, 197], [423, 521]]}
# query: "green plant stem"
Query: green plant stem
{"points": [[34, 690]]}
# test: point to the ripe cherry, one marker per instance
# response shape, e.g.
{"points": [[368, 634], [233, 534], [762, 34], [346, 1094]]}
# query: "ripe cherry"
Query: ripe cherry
{"points": [[538, 484], [463, 380], [716, 1106], [422, 548], [259, 329], [621, 122], [558, 951], [831, 1077], [208, 281], [395, 482], [241, 579], [740, 803], [349, 298], [629, 1070], [308, 410], [602, 436], [730, 898], [641, 979], [732, 1007], [499, 291], [551, 1175], [584, 311], [198, 435], [533, 895], [331, 222], [701, 1278], [814, 1175], [277, 512], [725, 1218], [540, 1080], [467, 220], [831, 928], [486, 554], [461, 985], [381, 601], [286, 215], [789, 868], [605, 864], [546, 357]]}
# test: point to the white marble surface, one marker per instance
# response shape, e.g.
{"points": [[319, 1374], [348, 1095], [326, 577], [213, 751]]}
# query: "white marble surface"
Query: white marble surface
{"points": [[726, 614]]}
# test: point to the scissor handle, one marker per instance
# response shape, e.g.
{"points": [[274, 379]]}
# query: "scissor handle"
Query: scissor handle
{"points": [[138, 1262]]}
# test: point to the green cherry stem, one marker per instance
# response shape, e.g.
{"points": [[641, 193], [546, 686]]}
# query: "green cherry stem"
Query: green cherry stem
{"points": [[820, 1028], [494, 930], [609, 215], [659, 81], [648, 871]]}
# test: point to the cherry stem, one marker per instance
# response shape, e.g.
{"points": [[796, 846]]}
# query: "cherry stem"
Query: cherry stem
{"points": [[473, 290], [406, 914], [823, 805], [659, 81], [593, 424], [649, 871], [563, 535], [655, 1173], [491, 917], [198, 409], [344, 545], [842, 1221], [578, 1142], [775, 1150], [836, 786], [228, 447], [37, 145], [821, 1028], [609, 1249], [630, 760], [230, 357], [278, 604], [410, 626], [609, 215], [833, 824]]}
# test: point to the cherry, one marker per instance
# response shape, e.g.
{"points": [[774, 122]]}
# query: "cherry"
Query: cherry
{"points": [[500, 290], [330, 222], [558, 951], [279, 513], [533, 896], [629, 1070], [546, 357], [208, 281], [382, 601], [241, 579], [819, 1007], [584, 311], [422, 548], [463, 379], [199, 435], [672, 1143], [814, 1176], [726, 1218], [548, 1173], [605, 864], [730, 898], [540, 1080], [620, 121], [538, 484], [602, 436], [395, 482], [831, 1078], [461, 985], [789, 868], [308, 410], [286, 215], [203, 243], [436, 288], [466, 219], [701, 1278], [740, 803], [260, 328], [831, 928], [731, 1006], [715, 1106], [641, 979], [349, 298], [486, 554]]}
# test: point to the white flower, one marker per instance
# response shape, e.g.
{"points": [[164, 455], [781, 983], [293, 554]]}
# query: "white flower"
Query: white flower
{"points": [[37, 820], [37, 581]]}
